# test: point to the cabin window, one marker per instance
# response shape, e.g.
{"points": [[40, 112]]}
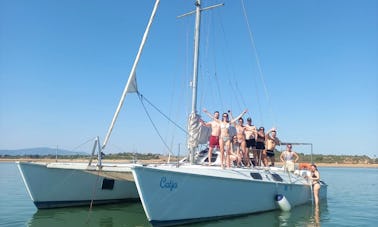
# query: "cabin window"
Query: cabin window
{"points": [[256, 176], [107, 184], [277, 177]]}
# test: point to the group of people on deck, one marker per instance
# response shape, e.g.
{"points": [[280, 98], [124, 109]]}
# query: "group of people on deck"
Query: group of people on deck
{"points": [[236, 146]]}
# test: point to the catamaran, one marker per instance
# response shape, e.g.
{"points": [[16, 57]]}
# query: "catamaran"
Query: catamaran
{"points": [[63, 184], [184, 193]]}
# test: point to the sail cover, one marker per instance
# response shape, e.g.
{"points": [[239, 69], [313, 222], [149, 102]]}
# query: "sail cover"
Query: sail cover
{"points": [[198, 134], [193, 130]]}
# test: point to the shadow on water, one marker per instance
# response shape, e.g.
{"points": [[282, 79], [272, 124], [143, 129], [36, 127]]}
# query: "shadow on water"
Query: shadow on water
{"points": [[127, 214], [305, 215]]}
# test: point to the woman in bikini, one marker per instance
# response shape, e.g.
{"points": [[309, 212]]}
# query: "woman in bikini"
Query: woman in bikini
{"points": [[315, 177], [240, 135]]}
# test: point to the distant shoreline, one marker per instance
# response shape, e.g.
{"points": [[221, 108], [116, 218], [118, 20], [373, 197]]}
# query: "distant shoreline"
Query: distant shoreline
{"points": [[163, 160]]}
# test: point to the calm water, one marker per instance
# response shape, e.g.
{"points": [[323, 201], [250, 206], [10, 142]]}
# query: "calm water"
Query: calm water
{"points": [[352, 201]]}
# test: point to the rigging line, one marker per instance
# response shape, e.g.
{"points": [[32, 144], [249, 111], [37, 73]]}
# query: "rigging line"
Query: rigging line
{"points": [[257, 59], [222, 51], [89, 140], [213, 79], [141, 97], [204, 55], [93, 193], [153, 125], [233, 81], [205, 58], [217, 94], [186, 73]]}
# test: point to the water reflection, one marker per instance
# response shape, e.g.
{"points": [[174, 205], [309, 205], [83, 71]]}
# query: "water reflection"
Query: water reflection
{"points": [[132, 214], [305, 215], [128, 214]]}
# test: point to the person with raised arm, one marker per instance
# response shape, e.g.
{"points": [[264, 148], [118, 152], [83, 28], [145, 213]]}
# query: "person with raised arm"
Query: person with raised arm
{"points": [[215, 133], [271, 142]]}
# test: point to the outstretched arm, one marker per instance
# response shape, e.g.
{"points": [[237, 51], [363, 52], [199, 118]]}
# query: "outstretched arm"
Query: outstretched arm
{"points": [[268, 134], [240, 115], [231, 117], [208, 114]]}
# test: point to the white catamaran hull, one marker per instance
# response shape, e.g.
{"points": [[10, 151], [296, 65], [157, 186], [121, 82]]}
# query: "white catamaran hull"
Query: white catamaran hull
{"points": [[74, 184], [172, 195]]}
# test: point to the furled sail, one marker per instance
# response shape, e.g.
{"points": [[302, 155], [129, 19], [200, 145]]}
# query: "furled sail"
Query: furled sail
{"points": [[198, 134], [194, 128], [132, 88]]}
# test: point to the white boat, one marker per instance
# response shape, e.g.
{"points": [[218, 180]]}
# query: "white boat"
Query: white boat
{"points": [[190, 193], [63, 184], [178, 194]]}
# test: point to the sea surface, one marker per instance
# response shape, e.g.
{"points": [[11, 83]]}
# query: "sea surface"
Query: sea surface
{"points": [[352, 201]]}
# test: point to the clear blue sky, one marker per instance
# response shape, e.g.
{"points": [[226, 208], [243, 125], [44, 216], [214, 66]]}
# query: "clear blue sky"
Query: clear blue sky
{"points": [[64, 64]]}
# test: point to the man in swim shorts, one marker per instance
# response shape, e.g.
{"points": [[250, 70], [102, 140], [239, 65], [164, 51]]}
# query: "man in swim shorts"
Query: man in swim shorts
{"points": [[271, 142], [215, 133]]}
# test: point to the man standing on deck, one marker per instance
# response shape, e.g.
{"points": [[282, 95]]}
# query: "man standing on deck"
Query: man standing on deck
{"points": [[215, 133], [271, 141], [250, 139]]}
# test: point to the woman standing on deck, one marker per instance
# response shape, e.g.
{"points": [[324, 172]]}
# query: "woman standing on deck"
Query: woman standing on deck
{"points": [[240, 135]]}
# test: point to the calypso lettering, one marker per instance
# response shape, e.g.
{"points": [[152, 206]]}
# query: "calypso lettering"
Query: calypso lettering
{"points": [[164, 183]]}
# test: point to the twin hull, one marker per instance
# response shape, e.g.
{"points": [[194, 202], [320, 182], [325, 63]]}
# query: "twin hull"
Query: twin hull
{"points": [[74, 184], [173, 195]]}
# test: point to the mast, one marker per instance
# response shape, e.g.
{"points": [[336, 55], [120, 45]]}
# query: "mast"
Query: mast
{"points": [[196, 56], [131, 82], [194, 119], [194, 127]]}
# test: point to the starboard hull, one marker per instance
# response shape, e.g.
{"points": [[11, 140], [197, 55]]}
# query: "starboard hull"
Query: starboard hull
{"points": [[76, 185], [173, 195]]}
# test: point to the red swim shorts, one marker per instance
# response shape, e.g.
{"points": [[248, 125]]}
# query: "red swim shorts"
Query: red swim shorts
{"points": [[214, 141]]}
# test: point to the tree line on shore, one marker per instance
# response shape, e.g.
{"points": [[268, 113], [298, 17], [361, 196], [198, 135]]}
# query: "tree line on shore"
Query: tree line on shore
{"points": [[317, 158]]}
